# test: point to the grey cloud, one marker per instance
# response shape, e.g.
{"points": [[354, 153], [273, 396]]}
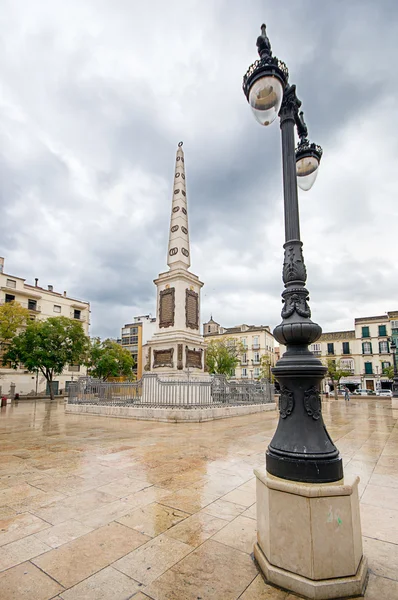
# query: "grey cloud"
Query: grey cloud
{"points": [[97, 97]]}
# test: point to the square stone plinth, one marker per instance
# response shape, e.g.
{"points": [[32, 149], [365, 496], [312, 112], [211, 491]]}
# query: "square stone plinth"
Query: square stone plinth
{"points": [[309, 536]]}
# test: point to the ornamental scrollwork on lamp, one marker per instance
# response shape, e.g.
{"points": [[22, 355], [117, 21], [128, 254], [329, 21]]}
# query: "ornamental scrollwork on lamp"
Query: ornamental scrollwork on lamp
{"points": [[312, 402], [290, 103], [296, 300], [286, 402], [293, 264]]}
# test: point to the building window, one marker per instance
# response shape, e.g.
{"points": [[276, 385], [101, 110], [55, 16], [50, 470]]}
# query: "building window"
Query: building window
{"points": [[368, 368], [256, 358], [366, 347], [331, 348], [348, 364], [382, 330], [346, 348], [244, 342], [9, 298], [383, 347], [77, 314], [232, 372], [256, 372], [365, 332], [244, 359], [208, 328], [244, 372], [32, 305], [316, 349], [256, 345], [11, 283], [74, 368], [56, 308], [385, 364]]}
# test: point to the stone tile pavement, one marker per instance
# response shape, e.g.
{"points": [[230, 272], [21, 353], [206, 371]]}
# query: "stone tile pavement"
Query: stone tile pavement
{"points": [[106, 509]]}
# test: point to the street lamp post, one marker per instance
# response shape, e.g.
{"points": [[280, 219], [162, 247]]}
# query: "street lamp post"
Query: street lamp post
{"points": [[301, 449], [394, 358], [301, 493]]}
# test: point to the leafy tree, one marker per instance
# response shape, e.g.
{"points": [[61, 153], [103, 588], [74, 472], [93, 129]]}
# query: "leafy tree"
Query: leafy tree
{"points": [[13, 317], [222, 356], [265, 368], [389, 372], [48, 346], [336, 372], [109, 359]]}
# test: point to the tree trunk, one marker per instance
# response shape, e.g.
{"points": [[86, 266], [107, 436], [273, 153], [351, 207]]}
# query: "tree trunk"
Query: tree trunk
{"points": [[49, 378]]}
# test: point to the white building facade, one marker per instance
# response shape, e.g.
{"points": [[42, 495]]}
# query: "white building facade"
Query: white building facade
{"points": [[42, 304], [364, 351], [257, 341]]}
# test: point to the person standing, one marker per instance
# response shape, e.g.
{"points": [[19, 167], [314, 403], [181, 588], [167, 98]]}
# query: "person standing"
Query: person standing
{"points": [[346, 394]]}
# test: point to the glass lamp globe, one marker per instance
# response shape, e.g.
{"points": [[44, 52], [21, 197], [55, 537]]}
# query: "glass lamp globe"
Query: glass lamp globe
{"points": [[265, 98], [307, 171]]}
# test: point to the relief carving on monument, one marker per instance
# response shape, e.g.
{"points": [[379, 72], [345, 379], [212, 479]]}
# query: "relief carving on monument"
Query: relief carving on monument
{"points": [[191, 309], [180, 364], [163, 358], [166, 307], [193, 358]]}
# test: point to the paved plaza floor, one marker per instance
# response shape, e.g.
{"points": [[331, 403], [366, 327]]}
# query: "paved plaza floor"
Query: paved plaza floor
{"points": [[95, 509]]}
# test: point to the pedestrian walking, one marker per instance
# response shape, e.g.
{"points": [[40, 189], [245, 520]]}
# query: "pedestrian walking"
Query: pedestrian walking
{"points": [[346, 394]]}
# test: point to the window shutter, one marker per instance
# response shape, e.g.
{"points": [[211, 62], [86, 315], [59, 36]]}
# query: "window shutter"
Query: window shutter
{"points": [[363, 347], [370, 346]]}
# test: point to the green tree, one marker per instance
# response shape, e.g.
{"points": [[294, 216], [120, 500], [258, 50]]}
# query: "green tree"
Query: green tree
{"points": [[109, 359], [389, 372], [336, 371], [13, 317], [222, 356], [48, 346], [265, 368]]}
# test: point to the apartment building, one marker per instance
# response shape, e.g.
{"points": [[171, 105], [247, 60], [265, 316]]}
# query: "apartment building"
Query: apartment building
{"points": [[364, 351], [257, 341], [134, 336], [42, 303]]}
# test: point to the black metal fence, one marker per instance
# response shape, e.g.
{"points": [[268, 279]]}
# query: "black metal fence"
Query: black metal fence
{"points": [[154, 391]]}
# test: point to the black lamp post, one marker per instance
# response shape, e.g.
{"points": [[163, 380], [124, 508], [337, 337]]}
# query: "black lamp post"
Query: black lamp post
{"points": [[301, 449], [394, 357]]}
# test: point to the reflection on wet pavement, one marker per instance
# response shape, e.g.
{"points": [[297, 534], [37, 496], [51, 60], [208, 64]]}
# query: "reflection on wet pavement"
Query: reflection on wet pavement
{"points": [[94, 508]]}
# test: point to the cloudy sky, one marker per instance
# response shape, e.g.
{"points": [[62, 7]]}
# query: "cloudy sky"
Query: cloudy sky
{"points": [[94, 98]]}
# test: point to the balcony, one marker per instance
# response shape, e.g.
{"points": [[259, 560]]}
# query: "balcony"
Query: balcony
{"points": [[81, 317], [32, 307], [256, 347], [256, 362]]}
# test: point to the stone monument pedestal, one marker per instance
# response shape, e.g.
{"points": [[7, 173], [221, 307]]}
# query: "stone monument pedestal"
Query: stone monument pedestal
{"points": [[309, 538]]}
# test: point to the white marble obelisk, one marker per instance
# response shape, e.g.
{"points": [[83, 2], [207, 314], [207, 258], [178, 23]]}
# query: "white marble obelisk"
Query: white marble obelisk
{"points": [[177, 347]]}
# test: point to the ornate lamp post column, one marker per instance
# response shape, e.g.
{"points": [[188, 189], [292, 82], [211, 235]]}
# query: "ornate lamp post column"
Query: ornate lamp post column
{"points": [[301, 449], [302, 491]]}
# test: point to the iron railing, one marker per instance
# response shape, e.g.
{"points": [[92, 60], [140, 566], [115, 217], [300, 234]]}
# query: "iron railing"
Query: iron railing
{"points": [[153, 391]]}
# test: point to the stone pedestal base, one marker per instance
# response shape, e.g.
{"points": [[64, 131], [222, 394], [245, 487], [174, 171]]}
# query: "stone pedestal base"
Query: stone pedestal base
{"points": [[309, 537]]}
